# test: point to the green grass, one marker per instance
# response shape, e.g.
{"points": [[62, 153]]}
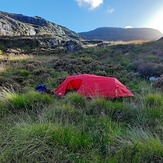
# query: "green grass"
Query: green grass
{"points": [[139, 146], [45, 128], [19, 102], [44, 141], [154, 100], [75, 100]]}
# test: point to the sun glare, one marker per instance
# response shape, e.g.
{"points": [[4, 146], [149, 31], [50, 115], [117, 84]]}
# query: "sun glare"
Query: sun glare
{"points": [[156, 22]]}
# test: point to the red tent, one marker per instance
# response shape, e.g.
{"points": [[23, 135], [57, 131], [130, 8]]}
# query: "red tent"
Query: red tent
{"points": [[93, 86]]}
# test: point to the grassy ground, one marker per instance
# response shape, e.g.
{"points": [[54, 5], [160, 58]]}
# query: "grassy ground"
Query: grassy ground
{"points": [[44, 128]]}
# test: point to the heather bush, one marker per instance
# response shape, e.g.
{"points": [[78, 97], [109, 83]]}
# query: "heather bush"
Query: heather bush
{"points": [[159, 83], [24, 73], [44, 128]]}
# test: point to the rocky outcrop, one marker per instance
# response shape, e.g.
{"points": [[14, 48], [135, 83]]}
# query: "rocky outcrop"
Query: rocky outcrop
{"points": [[29, 33], [29, 44], [20, 25]]}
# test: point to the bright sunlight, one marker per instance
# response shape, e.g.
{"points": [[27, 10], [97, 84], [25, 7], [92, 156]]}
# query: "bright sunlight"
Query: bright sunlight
{"points": [[156, 22]]}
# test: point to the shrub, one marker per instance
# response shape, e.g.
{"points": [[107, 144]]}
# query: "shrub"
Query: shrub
{"points": [[158, 69], [3, 48], [39, 71], [23, 73], [146, 70], [159, 83]]}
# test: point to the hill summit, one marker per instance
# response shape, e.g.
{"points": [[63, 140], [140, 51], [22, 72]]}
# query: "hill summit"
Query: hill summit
{"points": [[25, 32], [21, 25], [122, 34]]}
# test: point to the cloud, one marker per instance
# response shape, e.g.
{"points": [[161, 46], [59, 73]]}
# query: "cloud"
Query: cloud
{"points": [[110, 10], [128, 26], [91, 3]]}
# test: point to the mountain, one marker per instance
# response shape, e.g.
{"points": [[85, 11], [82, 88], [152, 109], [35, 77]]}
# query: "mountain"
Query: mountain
{"points": [[25, 32], [122, 34], [21, 25]]}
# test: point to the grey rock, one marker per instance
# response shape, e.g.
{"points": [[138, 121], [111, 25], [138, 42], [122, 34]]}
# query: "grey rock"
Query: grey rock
{"points": [[71, 46], [21, 25]]}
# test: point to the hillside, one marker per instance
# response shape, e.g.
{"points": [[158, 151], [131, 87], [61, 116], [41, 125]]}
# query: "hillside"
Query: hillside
{"points": [[45, 128], [21, 25], [29, 33], [122, 34], [42, 127]]}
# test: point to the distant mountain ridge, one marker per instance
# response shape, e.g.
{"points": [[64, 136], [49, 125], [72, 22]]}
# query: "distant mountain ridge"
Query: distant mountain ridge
{"points": [[122, 34], [21, 25]]}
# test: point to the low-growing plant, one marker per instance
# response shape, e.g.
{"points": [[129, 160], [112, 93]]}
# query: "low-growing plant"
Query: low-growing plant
{"points": [[62, 114], [154, 113], [159, 83], [103, 132], [3, 48], [1, 52], [3, 110], [30, 100], [139, 146], [154, 100], [44, 141], [75, 100], [24, 73], [113, 109], [38, 127]]}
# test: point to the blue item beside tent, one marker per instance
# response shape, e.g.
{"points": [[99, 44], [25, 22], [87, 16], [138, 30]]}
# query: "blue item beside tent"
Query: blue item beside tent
{"points": [[41, 88]]}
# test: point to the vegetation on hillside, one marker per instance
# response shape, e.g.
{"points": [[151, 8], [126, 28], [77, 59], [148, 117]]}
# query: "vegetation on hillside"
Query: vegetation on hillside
{"points": [[123, 34], [44, 128]]}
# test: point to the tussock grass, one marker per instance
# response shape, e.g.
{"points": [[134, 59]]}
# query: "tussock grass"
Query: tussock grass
{"points": [[16, 102], [112, 109], [62, 114], [154, 100], [43, 128], [75, 100], [76, 129], [139, 146], [46, 142]]}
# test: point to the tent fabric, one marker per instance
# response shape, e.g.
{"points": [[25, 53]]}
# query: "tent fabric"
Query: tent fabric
{"points": [[93, 86]]}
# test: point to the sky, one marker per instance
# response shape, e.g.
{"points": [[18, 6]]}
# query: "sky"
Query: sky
{"points": [[86, 15]]}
